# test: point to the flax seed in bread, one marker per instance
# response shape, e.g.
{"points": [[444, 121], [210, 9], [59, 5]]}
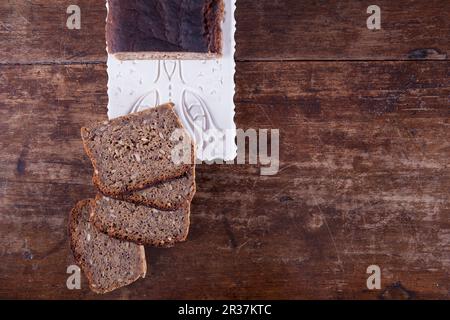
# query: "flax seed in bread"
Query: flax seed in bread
{"points": [[140, 224], [168, 196], [108, 263], [133, 152]]}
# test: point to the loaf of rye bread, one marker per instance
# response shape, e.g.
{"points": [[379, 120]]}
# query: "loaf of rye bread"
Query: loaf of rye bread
{"points": [[161, 29], [133, 152], [108, 263], [140, 224], [168, 195]]}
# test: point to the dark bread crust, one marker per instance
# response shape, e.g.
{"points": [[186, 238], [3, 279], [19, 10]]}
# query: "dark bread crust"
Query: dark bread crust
{"points": [[144, 29], [157, 196], [214, 13], [75, 221], [119, 228], [126, 188]]}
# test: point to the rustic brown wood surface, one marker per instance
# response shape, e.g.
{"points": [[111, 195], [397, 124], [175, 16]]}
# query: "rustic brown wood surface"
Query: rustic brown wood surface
{"points": [[365, 149], [267, 30]]}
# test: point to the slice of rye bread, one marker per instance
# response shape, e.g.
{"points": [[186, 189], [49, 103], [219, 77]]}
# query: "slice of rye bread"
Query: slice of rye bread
{"points": [[166, 196], [133, 152], [140, 224], [108, 263]]}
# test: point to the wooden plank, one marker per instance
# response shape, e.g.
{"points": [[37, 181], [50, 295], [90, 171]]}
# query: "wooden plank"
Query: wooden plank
{"points": [[364, 180], [266, 30], [36, 31], [337, 30]]}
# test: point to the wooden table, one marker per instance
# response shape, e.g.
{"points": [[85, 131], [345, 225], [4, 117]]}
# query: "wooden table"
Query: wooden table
{"points": [[365, 155]]}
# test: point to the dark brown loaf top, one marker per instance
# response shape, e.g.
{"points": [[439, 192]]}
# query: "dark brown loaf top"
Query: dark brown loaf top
{"points": [[133, 152], [146, 29], [167, 195], [140, 224], [108, 263]]}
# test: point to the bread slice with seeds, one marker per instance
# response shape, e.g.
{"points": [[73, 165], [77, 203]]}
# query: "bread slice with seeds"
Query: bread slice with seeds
{"points": [[168, 196], [133, 152], [140, 224], [108, 263]]}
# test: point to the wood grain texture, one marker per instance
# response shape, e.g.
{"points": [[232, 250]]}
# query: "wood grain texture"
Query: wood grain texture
{"points": [[337, 30], [364, 180], [36, 31]]}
